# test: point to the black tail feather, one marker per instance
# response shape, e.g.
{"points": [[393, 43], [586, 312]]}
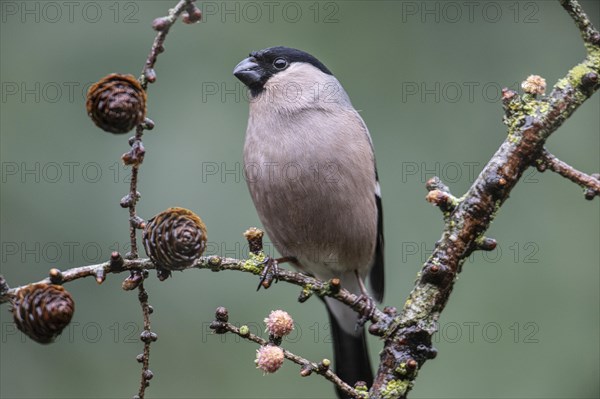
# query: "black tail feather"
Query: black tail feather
{"points": [[351, 356]]}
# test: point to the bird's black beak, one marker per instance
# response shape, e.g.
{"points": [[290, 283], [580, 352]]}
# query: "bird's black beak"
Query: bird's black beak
{"points": [[248, 71]]}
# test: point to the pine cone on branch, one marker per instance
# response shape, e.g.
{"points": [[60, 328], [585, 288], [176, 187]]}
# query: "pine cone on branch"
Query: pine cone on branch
{"points": [[174, 239], [42, 311], [116, 103]]}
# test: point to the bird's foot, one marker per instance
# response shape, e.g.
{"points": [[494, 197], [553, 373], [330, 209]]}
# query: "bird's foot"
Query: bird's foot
{"points": [[369, 309], [271, 270], [367, 312], [269, 273]]}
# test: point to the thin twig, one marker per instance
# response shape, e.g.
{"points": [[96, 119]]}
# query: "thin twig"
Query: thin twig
{"points": [[548, 161], [589, 34], [135, 222], [149, 76], [254, 265], [146, 373], [299, 360]]}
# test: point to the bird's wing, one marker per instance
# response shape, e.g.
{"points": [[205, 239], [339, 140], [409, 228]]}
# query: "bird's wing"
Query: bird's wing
{"points": [[376, 275]]}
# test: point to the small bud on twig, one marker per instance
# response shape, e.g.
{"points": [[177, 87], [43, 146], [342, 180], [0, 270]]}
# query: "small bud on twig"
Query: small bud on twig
{"points": [[222, 314], [148, 124], [160, 24], [148, 375], [150, 75], [443, 200], [435, 183], [377, 329], [486, 244], [138, 222], [589, 80], [590, 193], [132, 282], [116, 261], [214, 262], [534, 84], [508, 95], [411, 364], [434, 273], [192, 15], [244, 331], [129, 200], [255, 239], [136, 155], [306, 370], [148, 336], [324, 365], [56, 276], [100, 275], [334, 285]]}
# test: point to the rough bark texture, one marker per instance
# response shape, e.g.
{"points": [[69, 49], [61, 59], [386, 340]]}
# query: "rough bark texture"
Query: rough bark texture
{"points": [[530, 122]]}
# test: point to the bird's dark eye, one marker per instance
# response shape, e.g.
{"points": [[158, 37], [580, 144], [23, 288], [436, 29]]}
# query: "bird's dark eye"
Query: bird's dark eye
{"points": [[280, 63]]}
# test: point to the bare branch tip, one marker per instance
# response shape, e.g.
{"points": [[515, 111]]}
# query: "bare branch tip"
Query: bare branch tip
{"points": [[55, 276], [590, 183], [486, 244], [435, 183], [442, 199], [100, 275], [589, 34], [254, 236]]}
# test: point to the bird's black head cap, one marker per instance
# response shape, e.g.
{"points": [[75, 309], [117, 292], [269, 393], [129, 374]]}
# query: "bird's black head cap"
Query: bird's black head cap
{"points": [[261, 65]]}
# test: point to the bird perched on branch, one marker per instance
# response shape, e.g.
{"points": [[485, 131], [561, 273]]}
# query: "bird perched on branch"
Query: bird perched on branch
{"points": [[311, 172]]}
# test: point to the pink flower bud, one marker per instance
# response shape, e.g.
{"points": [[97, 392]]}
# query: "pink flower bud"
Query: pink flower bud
{"points": [[269, 358], [279, 323]]}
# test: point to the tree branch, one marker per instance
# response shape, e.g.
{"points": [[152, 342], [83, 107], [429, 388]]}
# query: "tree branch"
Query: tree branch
{"points": [[254, 265], [591, 184], [530, 121], [222, 326]]}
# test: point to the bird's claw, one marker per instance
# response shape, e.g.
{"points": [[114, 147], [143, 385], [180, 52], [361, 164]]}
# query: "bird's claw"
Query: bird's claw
{"points": [[367, 312], [269, 273]]}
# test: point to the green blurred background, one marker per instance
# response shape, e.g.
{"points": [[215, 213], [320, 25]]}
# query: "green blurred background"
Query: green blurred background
{"points": [[523, 321]]}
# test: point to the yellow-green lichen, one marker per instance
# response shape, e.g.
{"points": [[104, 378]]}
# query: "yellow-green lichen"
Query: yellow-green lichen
{"points": [[401, 369], [362, 391], [255, 263], [395, 389], [575, 75], [513, 139]]}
